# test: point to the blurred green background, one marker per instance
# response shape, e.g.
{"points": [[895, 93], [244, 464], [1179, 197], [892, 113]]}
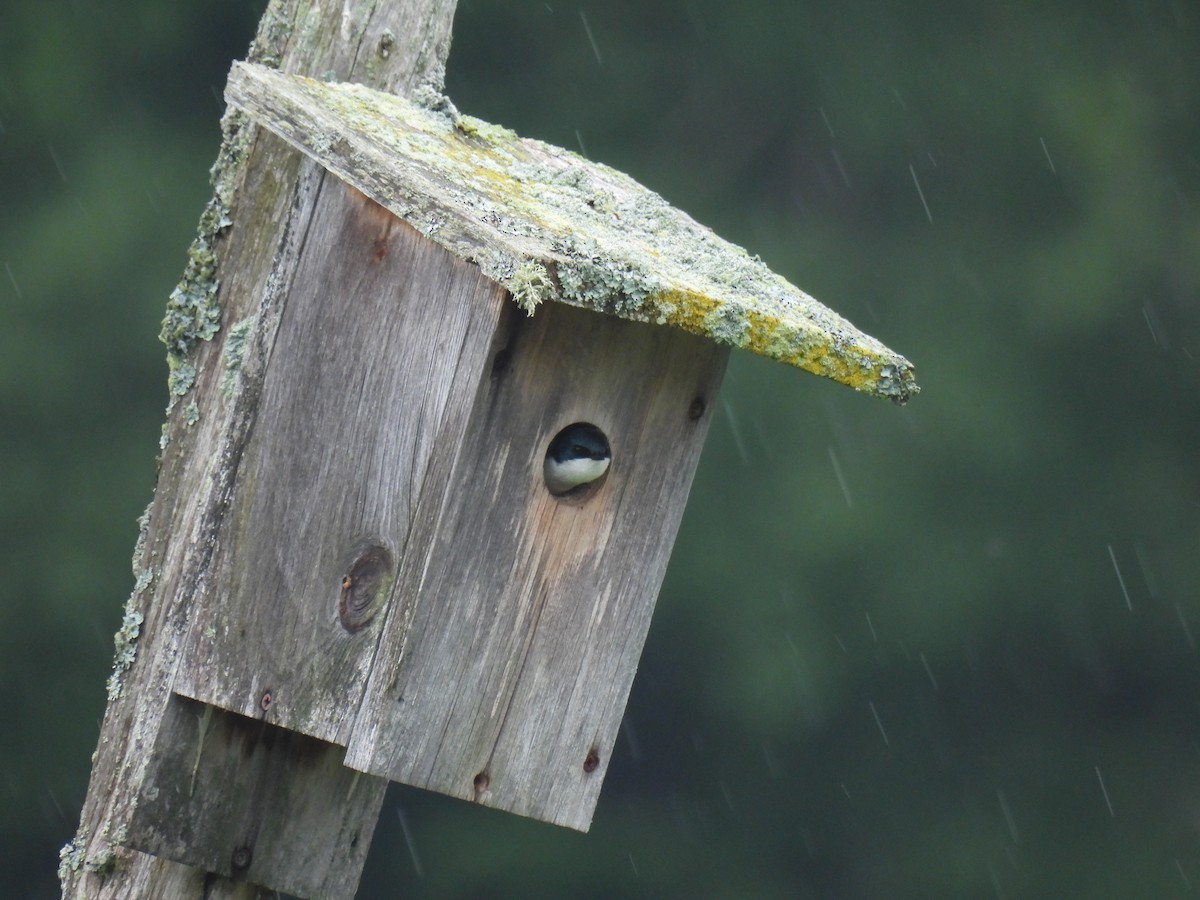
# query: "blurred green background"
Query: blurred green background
{"points": [[940, 651]]}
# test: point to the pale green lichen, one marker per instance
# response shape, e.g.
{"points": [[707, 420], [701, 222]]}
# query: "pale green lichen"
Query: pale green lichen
{"points": [[237, 137], [531, 285], [323, 143], [236, 345], [103, 862], [143, 580], [127, 636], [481, 130], [193, 312], [71, 856], [728, 325], [126, 649], [181, 375], [590, 277]]}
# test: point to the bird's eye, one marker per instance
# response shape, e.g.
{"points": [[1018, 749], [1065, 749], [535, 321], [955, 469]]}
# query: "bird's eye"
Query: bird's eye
{"points": [[581, 450]]}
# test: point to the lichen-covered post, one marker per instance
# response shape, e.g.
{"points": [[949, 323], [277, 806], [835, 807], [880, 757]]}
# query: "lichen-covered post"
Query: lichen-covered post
{"points": [[219, 324]]}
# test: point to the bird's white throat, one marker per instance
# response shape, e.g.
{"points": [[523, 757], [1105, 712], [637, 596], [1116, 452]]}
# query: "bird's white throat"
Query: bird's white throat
{"points": [[563, 475]]}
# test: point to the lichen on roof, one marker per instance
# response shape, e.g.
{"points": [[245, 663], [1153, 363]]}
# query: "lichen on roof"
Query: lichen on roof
{"points": [[548, 224]]}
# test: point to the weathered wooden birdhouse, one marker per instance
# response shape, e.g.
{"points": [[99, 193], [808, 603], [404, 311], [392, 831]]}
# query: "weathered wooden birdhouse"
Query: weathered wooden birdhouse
{"points": [[398, 570]]}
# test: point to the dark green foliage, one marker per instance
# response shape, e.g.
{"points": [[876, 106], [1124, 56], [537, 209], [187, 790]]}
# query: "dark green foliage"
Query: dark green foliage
{"points": [[946, 650]]}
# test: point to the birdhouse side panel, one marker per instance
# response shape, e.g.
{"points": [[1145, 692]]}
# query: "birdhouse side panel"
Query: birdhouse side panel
{"points": [[375, 364]]}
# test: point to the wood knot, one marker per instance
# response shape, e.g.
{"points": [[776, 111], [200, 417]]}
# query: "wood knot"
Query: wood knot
{"points": [[591, 762], [365, 588], [241, 859]]}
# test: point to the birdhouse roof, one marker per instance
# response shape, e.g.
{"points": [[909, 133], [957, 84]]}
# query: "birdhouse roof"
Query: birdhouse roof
{"points": [[548, 224]]}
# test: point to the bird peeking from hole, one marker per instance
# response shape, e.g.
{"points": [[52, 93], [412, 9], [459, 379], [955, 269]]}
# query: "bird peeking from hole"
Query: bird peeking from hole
{"points": [[578, 455]]}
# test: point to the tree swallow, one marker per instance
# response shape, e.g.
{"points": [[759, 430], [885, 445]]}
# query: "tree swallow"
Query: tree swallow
{"points": [[578, 455]]}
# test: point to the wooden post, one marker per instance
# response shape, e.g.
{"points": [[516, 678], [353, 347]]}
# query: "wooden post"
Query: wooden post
{"points": [[251, 804], [354, 569]]}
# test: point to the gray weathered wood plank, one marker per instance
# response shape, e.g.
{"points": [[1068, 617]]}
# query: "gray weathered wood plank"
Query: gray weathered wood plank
{"points": [[374, 370], [236, 795], [503, 676]]}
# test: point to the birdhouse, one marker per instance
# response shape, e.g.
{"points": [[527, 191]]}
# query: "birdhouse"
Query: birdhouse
{"points": [[487, 395]]}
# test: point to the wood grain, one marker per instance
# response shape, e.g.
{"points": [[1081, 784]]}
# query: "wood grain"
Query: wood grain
{"points": [[503, 675], [374, 371], [237, 796]]}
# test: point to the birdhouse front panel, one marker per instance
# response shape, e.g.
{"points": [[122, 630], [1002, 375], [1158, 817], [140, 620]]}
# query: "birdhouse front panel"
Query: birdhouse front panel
{"points": [[504, 670]]}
